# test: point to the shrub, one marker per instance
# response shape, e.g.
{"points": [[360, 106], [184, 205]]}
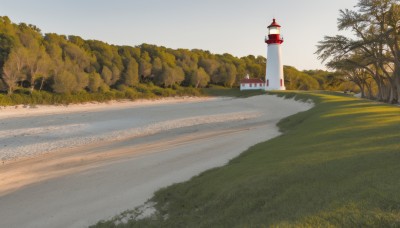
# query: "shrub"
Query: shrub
{"points": [[168, 92], [144, 91], [132, 94], [157, 91], [6, 100]]}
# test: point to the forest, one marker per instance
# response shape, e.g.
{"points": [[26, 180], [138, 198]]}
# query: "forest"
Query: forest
{"points": [[50, 68], [370, 56]]}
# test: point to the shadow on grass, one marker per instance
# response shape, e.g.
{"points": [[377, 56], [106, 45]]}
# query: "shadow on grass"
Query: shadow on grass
{"points": [[337, 165]]}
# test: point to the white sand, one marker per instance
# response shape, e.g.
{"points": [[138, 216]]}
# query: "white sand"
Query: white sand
{"points": [[55, 129], [35, 110], [92, 162]]}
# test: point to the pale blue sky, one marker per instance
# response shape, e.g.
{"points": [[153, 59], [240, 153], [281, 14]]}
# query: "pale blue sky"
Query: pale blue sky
{"points": [[233, 26]]}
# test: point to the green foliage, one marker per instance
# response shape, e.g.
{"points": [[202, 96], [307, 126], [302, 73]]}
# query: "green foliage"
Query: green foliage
{"points": [[131, 74], [141, 91], [65, 82], [145, 67], [95, 82], [70, 65], [200, 78], [6, 44], [296, 80], [170, 76], [332, 167], [369, 57], [106, 75]]}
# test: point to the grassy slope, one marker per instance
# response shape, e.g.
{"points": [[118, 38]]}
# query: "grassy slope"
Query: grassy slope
{"points": [[337, 164], [227, 92]]}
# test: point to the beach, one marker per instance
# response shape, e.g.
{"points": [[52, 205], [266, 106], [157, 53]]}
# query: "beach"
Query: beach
{"points": [[71, 166]]}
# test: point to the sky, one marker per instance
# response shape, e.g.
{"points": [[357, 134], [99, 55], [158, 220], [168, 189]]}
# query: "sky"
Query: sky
{"points": [[237, 27]]}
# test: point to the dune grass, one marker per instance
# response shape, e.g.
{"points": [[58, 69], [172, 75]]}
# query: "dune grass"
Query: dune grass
{"points": [[336, 165]]}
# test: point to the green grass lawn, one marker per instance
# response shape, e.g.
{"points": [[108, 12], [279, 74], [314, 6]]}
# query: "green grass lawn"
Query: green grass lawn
{"points": [[336, 165], [218, 91]]}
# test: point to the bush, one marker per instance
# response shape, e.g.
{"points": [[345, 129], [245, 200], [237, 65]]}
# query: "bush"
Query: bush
{"points": [[132, 94], [168, 92], [143, 88], [19, 98], [41, 97], [140, 91], [6, 100], [157, 91]]}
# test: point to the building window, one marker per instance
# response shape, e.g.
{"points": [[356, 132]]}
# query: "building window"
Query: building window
{"points": [[281, 82], [251, 85], [267, 82]]}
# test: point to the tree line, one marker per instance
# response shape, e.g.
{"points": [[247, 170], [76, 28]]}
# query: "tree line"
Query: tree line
{"points": [[370, 57], [35, 63], [68, 64]]}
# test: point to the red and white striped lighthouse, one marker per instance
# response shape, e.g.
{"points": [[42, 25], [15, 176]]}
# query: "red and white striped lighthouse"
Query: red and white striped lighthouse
{"points": [[274, 79]]}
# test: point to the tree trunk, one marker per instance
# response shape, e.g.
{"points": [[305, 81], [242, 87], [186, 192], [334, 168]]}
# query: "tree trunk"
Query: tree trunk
{"points": [[393, 93], [41, 84], [362, 87], [386, 88], [379, 95], [369, 89], [397, 81], [396, 84]]}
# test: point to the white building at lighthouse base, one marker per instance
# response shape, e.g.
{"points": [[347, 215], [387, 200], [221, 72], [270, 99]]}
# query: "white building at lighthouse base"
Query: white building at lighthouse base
{"points": [[252, 84]]}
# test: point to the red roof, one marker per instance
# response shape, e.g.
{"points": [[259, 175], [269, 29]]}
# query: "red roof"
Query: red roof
{"points": [[274, 24], [251, 80]]}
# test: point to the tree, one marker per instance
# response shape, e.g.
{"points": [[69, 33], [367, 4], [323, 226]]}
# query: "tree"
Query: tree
{"points": [[225, 75], [157, 67], [95, 82], [131, 73], [38, 65], [82, 79], [145, 66], [200, 78], [297, 80], [116, 74], [376, 47], [77, 55], [106, 75], [170, 76], [209, 65], [29, 59], [167, 58], [355, 73], [13, 68], [179, 76], [6, 45], [65, 82]]}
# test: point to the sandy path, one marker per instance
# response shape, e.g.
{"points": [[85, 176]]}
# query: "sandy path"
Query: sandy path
{"points": [[76, 187]]}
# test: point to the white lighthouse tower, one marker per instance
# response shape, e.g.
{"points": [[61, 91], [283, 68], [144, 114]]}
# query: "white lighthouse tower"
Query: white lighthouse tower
{"points": [[274, 77]]}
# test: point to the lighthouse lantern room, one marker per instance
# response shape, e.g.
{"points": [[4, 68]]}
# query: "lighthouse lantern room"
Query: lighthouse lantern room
{"points": [[274, 79]]}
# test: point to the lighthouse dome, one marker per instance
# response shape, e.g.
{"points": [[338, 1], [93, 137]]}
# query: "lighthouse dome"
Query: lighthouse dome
{"points": [[274, 24]]}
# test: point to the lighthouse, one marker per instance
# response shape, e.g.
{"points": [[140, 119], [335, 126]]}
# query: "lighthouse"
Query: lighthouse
{"points": [[274, 75]]}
